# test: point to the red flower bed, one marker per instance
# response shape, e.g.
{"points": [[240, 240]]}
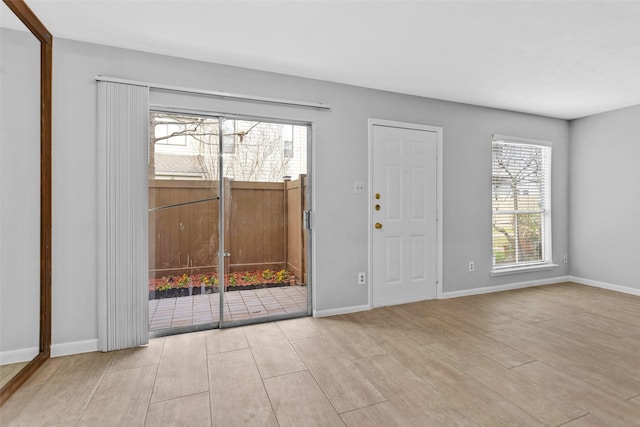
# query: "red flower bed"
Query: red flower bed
{"points": [[243, 278]]}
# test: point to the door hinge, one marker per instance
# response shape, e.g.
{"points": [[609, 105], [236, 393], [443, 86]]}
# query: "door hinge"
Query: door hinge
{"points": [[306, 219]]}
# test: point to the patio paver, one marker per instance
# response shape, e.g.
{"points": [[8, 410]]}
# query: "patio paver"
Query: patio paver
{"points": [[197, 309]]}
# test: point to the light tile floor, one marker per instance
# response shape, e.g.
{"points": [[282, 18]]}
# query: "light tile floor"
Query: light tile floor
{"points": [[197, 309], [555, 355]]}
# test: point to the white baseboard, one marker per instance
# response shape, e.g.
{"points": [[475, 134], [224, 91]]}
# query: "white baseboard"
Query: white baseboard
{"points": [[68, 348], [17, 356], [452, 294], [340, 310], [507, 287], [604, 285]]}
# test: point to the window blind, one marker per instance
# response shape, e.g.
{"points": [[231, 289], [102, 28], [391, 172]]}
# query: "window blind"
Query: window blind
{"points": [[123, 115], [521, 202]]}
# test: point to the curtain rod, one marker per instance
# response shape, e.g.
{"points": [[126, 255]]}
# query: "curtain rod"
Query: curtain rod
{"points": [[228, 95]]}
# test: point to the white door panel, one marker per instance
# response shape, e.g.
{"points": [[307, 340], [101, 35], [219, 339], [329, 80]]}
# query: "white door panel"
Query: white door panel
{"points": [[404, 249]]}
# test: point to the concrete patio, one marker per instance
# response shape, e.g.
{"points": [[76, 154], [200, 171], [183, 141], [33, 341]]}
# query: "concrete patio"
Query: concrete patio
{"points": [[239, 305]]}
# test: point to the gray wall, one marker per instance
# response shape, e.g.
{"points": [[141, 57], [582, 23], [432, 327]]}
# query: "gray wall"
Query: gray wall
{"points": [[605, 197], [340, 158]]}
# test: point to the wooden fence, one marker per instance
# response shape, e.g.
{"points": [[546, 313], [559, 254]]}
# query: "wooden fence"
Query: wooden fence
{"points": [[263, 226], [296, 241]]}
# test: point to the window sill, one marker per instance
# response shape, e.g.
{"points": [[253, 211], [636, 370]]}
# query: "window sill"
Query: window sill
{"points": [[522, 269]]}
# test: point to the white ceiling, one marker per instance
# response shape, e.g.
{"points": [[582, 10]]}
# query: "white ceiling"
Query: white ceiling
{"points": [[563, 59]]}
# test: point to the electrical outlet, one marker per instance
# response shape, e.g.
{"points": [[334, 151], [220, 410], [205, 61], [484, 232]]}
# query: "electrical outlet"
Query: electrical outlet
{"points": [[472, 266], [565, 259], [358, 187], [361, 278]]}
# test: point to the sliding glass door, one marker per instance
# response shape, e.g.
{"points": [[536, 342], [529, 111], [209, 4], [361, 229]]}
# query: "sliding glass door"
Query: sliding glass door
{"points": [[230, 183], [184, 204], [265, 177]]}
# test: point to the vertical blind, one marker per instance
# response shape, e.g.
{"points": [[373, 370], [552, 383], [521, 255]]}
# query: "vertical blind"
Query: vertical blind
{"points": [[521, 202], [123, 112]]}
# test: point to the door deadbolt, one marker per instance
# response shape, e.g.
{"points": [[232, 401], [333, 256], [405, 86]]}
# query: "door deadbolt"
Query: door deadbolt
{"points": [[377, 195], [378, 225], [377, 207]]}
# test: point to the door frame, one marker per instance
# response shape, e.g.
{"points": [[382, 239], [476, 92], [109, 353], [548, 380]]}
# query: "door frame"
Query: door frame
{"points": [[221, 323], [439, 198]]}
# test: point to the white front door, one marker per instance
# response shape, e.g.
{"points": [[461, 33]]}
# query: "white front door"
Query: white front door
{"points": [[404, 207]]}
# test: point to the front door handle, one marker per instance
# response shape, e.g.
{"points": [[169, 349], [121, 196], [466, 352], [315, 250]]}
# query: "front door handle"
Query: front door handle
{"points": [[378, 225]]}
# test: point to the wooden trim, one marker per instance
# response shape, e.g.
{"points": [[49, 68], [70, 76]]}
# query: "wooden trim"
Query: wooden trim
{"points": [[285, 213], [226, 207], [254, 265], [26, 15], [14, 384], [183, 183], [293, 184], [238, 185], [252, 185], [30, 20], [46, 76]]}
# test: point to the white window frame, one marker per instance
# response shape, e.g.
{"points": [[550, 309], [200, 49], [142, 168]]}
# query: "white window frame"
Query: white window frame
{"points": [[547, 242]]}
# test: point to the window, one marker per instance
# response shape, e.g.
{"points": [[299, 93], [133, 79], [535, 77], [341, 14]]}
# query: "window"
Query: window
{"points": [[288, 149], [521, 203], [229, 133], [185, 147], [168, 133]]}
